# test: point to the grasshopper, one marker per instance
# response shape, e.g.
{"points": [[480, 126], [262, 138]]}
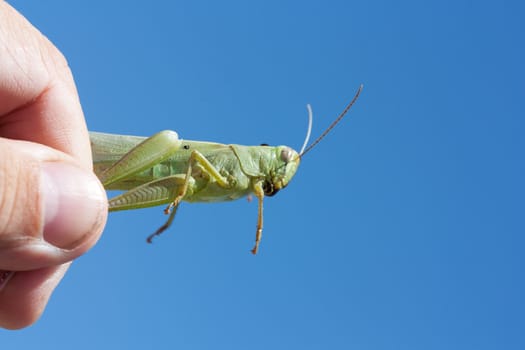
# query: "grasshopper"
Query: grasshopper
{"points": [[164, 169]]}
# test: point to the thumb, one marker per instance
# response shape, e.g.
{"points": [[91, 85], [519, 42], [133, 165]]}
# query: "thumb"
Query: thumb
{"points": [[51, 209]]}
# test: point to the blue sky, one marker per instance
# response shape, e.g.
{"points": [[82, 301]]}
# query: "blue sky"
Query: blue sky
{"points": [[402, 230]]}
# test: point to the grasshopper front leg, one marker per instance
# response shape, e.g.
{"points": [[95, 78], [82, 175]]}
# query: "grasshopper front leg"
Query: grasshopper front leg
{"points": [[259, 193]]}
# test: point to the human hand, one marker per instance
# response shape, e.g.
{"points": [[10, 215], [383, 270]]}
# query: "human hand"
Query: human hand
{"points": [[52, 207]]}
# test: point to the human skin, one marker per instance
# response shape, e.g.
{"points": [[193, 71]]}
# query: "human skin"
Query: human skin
{"points": [[52, 207]]}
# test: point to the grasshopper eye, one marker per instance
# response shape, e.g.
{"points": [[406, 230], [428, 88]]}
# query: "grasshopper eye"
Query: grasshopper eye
{"points": [[286, 154]]}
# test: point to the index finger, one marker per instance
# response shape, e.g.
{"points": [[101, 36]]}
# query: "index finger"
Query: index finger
{"points": [[38, 98]]}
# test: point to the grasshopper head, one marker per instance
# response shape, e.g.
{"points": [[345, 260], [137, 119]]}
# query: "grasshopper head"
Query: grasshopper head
{"points": [[288, 161]]}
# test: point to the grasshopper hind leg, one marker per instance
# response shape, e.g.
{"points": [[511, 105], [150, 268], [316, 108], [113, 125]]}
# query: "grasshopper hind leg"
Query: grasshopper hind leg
{"points": [[172, 207], [166, 225], [170, 189]]}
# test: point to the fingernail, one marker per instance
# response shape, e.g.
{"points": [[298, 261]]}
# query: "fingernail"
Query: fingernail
{"points": [[74, 203]]}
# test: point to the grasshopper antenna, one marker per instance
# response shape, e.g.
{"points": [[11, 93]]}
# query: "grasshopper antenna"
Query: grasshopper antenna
{"points": [[334, 123], [309, 131]]}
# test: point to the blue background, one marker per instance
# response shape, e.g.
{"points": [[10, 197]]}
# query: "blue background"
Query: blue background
{"points": [[402, 230]]}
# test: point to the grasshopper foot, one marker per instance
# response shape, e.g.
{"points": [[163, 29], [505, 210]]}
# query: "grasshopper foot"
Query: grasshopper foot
{"points": [[157, 233], [167, 224]]}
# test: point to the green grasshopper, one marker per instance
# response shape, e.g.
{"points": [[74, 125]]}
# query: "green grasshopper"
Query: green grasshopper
{"points": [[164, 169]]}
